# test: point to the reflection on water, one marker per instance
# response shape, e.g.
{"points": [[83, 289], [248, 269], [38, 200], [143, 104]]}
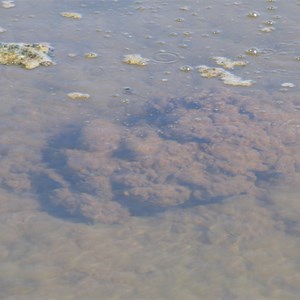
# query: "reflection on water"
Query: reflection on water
{"points": [[163, 184]]}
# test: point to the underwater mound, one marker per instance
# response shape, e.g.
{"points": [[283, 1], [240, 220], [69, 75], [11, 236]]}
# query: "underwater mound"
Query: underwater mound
{"points": [[182, 152]]}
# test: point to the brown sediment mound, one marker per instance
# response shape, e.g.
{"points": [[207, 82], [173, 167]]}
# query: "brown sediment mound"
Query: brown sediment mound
{"points": [[83, 182], [178, 152]]}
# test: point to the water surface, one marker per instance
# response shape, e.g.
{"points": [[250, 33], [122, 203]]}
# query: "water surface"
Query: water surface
{"points": [[164, 184]]}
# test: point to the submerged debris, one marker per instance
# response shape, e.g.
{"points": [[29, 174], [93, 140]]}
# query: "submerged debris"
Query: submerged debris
{"points": [[135, 59], [71, 15], [227, 77], [227, 63], [28, 56], [253, 51], [253, 14], [186, 68]]}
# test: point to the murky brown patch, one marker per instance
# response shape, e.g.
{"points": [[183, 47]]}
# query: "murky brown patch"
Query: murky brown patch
{"points": [[175, 153]]}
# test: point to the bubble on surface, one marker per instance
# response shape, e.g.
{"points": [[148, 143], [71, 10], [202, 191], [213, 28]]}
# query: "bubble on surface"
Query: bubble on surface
{"points": [[216, 32], [186, 68], [269, 22], [253, 14], [253, 51], [71, 15]]}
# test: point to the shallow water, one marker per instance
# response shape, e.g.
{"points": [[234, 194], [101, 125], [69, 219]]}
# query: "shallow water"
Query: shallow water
{"points": [[163, 184]]}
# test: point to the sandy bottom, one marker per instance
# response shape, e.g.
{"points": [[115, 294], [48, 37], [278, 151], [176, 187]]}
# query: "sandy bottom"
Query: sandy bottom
{"points": [[241, 249]]}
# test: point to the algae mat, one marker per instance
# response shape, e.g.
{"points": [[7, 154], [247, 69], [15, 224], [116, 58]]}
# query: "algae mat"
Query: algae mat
{"points": [[28, 56]]}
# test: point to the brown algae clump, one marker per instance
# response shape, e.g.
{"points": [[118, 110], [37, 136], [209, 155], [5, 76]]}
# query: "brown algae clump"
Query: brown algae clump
{"points": [[135, 59], [28, 56], [228, 63], [227, 77], [71, 15], [78, 96]]}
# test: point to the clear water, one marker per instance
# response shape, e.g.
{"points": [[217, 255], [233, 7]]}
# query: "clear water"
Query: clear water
{"points": [[239, 239]]}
